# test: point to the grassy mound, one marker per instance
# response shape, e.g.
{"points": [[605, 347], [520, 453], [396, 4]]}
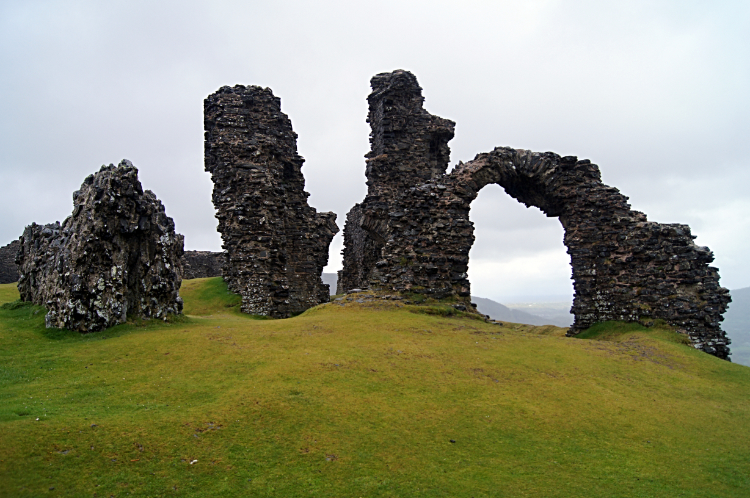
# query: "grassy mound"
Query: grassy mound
{"points": [[206, 296], [361, 397]]}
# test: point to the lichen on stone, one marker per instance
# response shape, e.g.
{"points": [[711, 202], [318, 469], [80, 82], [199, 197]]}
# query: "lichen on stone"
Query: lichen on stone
{"points": [[116, 256]]}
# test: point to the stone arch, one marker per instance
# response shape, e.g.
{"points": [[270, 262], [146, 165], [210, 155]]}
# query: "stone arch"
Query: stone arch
{"points": [[412, 232], [518, 251]]}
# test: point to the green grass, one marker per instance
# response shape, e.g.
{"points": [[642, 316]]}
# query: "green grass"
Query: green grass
{"points": [[8, 293], [206, 296], [363, 399], [621, 331]]}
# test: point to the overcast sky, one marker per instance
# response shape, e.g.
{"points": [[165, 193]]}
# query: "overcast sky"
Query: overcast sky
{"points": [[657, 93]]}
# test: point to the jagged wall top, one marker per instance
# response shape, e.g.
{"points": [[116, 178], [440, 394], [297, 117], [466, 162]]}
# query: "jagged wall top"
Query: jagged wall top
{"points": [[117, 255], [407, 143], [277, 244], [264, 134]]}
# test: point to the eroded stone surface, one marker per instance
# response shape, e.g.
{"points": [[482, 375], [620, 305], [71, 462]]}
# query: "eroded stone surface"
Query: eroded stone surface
{"points": [[116, 256], [277, 244], [8, 268], [408, 146], [624, 267], [202, 264]]}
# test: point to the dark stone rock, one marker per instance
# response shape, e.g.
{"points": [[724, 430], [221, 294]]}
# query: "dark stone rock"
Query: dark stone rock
{"points": [[8, 268], [277, 244], [412, 232], [408, 146], [202, 264], [116, 256]]}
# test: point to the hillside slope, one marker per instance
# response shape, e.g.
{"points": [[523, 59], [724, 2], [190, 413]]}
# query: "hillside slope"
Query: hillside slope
{"points": [[361, 397]]}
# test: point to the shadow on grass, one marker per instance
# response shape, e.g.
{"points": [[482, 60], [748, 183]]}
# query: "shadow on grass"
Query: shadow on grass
{"points": [[26, 316], [617, 331], [445, 311], [132, 325], [23, 315]]}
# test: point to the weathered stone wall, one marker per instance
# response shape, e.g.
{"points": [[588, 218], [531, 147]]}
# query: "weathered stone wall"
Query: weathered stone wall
{"points": [[202, 264], [8, 268], [361, 249], [339, 284], [277, 244], [624, 267], [116, 256], [408, 146]]}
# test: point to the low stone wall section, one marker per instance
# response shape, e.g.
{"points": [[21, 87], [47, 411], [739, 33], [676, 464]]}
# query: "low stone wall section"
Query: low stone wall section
{"points": [[8, 268], [202, 264]]}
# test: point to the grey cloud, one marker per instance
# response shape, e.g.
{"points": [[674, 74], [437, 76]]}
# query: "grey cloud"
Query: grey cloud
{"points": [[653, 92]]}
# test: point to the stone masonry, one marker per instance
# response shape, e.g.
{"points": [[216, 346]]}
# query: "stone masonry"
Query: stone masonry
{"points": [[408, 146], [202, 264], [116, 256], [8, 268], [417, 237], [277, 244]]}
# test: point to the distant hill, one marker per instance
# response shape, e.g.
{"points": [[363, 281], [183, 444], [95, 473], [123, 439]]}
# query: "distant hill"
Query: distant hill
{"points": [[737, 325], [556, 312], [330, 279], [502, 313]]}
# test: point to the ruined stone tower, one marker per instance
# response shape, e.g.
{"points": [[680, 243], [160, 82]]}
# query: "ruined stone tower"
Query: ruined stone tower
{"points": [[277, 245], [412, 233], [408, 146]]}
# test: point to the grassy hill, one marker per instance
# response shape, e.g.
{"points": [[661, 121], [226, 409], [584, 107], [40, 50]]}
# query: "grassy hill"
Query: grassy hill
{"points": [[362, 398]]}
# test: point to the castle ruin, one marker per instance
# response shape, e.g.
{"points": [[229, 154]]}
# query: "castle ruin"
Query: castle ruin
{"points": [[276, 244], [116, 256], [412, 232]]}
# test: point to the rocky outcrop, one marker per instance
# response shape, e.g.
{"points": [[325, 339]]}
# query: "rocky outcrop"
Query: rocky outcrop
{"points": [[624, 267], [277, 245], [8, 268], [116, 256], [202, 264]]}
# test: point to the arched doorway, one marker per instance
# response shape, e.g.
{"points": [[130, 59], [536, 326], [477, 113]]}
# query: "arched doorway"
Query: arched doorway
{"points": [[518, 260]]}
